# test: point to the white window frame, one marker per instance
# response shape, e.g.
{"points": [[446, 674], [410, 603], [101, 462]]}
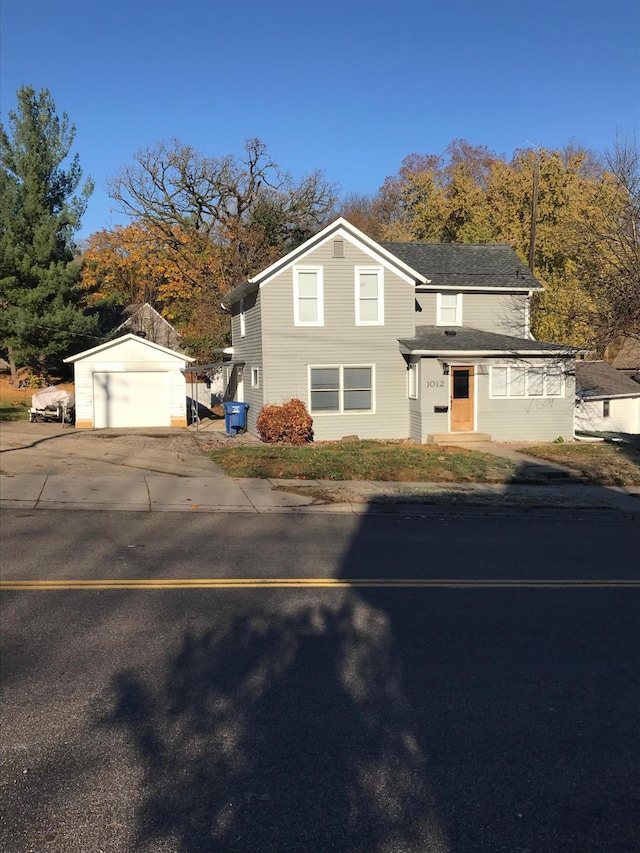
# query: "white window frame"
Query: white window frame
{"points": [[341, 410], [319, 321], [527, 369], [413, 380], [439, 320], [243, 320], [379, 272], [255, 377]]}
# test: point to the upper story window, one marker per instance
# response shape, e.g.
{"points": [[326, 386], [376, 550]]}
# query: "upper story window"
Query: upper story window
{"points": [[308, 296], [243, 320], [369, 296], [449, 309]]}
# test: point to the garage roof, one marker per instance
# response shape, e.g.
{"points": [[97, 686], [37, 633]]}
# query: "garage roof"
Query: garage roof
{"points": [[118, 341]]}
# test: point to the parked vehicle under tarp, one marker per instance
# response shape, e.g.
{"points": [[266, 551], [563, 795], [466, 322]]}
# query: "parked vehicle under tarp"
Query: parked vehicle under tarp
{"points": [[52, 404]]}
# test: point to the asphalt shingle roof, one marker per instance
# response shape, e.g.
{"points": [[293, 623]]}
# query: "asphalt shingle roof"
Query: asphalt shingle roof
{"points": [[599, 379], [466, 264], [449, 339]]}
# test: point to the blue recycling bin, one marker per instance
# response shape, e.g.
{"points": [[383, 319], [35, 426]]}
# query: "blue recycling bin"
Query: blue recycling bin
{"points": [[235, 417]]}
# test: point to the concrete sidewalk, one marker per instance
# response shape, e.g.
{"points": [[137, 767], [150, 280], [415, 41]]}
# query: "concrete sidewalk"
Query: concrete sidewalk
{"points": [[159, 493]]}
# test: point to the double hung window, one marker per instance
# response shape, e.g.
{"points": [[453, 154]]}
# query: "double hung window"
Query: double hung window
{"points": [[449, 309], [341, 389], [369, 288], [308, 296]]}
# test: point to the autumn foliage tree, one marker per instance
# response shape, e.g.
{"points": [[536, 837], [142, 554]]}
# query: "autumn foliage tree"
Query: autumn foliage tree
{"points": [[586, 235], [201, 226]]}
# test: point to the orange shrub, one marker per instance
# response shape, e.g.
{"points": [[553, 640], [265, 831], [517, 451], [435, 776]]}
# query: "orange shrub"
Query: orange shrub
{"points": [[290, 423]]}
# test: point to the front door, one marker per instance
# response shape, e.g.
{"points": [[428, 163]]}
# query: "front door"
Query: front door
{"points": [[462, 399]]}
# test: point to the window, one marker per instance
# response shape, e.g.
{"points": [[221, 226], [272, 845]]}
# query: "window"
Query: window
{"points": [[412, 380], [341, 389], [449, 309], [526, 381], [255, 377], [369, 296], [606, 408], [243, 324], [308, 303]]}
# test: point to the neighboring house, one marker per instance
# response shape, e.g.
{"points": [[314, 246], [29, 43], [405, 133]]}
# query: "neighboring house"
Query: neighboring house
{"points": [[400, 340], [606, 400], [625, 357], [146, 322], [129, 382]]}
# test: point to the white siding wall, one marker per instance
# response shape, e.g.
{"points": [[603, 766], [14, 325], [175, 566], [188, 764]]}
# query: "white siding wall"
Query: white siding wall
{"points": [[248, 349], [288, 351], [128, 357], [502, 313], [624, 416]]}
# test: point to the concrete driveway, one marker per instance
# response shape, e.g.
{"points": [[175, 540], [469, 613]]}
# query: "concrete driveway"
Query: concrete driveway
{"points": [[48, 448]]}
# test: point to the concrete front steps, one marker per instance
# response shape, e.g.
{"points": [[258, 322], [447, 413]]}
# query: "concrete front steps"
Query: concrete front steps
{"points": [[458, 438]]}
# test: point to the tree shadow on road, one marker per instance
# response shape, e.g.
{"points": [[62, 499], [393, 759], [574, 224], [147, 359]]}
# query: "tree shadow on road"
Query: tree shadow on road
{"points": [[290, 731], [368, 721]]}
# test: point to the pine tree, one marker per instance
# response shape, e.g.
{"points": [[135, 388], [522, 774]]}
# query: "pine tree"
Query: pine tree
{"points": [[40, 211]]}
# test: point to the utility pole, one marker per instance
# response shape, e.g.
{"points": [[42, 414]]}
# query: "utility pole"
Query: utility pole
{"points": [[534, 212]]}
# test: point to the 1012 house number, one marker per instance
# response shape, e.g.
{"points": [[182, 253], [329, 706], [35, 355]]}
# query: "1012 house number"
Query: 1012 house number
{"points": [[435, 383]]}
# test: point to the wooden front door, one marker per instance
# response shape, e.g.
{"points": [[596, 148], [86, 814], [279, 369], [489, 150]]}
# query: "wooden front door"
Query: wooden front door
{"points": [[462, 399]]}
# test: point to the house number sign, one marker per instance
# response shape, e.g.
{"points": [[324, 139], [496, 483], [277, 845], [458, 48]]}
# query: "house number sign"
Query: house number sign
{"points": [[435, 383]]}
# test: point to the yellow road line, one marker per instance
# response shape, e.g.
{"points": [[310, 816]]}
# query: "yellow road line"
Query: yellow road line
{"points": [[314, 583]]}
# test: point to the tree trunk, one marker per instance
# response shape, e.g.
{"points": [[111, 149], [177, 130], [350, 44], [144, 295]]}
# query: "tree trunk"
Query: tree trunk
{"points": [[13, 368]]}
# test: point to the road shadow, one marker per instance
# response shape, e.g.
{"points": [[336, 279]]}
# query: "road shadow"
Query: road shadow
{"points": [[370, 720]]}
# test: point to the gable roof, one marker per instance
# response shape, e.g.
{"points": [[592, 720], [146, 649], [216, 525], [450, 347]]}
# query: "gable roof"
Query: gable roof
{"points": [[467, 265], [434, 340], [597, 380], [116, 342], [146, 312], [338, 228]]}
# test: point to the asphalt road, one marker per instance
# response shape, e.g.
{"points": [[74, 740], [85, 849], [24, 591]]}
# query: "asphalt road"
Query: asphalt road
{"points": [[480, 715]]}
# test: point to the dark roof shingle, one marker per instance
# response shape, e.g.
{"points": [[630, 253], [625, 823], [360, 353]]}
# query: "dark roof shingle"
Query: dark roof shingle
{"points": [[463, 339], [491, 265], [597, 379]]}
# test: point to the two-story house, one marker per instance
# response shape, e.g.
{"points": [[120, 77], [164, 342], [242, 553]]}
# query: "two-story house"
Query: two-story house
{"points": [[400, 340]]}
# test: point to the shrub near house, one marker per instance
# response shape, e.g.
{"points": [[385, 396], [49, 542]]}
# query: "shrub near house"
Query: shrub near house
{"points": [[286, 424]]}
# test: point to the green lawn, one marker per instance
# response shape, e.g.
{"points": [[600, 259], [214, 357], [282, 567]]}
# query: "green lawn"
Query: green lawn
{"points": [[605, 463], [13, 411], [364, 460]]}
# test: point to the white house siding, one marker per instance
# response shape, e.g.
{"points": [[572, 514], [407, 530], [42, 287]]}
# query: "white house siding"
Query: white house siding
{"points": [[129, 357], [288, 351], [624, 416], [434, 392], [529, 419], [502, 313], [248, 349], [525, 419]]}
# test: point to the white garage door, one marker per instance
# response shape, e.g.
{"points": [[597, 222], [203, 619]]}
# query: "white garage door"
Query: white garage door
{"points": [[131, 400]]}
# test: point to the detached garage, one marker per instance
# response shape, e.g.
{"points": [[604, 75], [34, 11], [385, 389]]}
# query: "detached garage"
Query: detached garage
{"points": [[130, 382]]}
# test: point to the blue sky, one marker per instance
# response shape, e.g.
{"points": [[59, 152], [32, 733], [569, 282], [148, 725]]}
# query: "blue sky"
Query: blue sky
{"points": [[347, 87]]}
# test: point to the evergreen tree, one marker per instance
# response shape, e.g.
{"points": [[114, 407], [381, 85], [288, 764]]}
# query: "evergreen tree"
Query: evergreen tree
{"points": [[40, 211]]}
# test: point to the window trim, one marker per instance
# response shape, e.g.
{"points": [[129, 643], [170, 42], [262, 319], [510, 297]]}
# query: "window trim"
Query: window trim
{"points": [[439, 320], [379, 271], [296, 296], [341, 410], [243, 320], [606, 409], [526, 369], [413, 369], [255, 377]]}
